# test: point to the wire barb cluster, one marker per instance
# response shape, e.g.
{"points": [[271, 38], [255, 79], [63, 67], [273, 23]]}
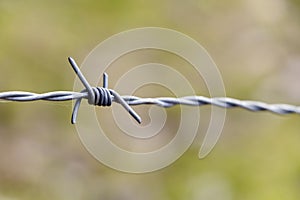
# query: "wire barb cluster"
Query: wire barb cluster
{"points": [[102, 96]]}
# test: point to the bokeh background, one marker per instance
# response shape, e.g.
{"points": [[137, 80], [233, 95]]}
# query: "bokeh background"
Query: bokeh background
{"points": [[255, 44]]}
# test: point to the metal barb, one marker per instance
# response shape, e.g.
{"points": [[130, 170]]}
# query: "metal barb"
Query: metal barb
{"points": [[105, 80], [91, 96], [102, 96], [98, 96]]}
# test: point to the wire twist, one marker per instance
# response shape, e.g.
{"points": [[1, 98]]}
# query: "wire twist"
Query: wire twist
{"points": [[103, 96], [224, 102]]}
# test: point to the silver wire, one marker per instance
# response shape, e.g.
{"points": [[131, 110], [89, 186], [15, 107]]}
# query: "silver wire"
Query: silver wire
{"points": [[224, 102], [102, 96], [166, 102]]}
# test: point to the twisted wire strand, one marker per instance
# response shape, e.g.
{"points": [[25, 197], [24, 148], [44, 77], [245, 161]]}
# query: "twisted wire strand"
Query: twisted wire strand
{"points": [[102, 96], [49, 96], [166, 102], [224, 102]]}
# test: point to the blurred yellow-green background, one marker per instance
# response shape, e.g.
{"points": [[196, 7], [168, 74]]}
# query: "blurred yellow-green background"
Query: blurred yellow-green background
{"points": [[255, 44]]}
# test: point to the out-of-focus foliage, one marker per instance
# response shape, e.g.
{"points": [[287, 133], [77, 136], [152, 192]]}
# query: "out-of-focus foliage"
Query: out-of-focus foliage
{"points": [[256, 47]]}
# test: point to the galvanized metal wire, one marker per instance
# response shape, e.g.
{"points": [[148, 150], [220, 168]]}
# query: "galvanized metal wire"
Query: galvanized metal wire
{"points": [[102, 96]]}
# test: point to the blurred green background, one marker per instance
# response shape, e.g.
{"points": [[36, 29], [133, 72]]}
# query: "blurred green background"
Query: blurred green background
{"points": [[255, 44]]}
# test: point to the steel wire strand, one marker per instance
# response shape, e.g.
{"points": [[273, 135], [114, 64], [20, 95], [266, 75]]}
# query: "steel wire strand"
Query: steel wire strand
{"points": [[103, 96], [49, 96], [224, 102]]}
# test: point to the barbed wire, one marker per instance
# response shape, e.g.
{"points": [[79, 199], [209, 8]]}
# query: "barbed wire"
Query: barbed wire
{"points": [[102, 96]]}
